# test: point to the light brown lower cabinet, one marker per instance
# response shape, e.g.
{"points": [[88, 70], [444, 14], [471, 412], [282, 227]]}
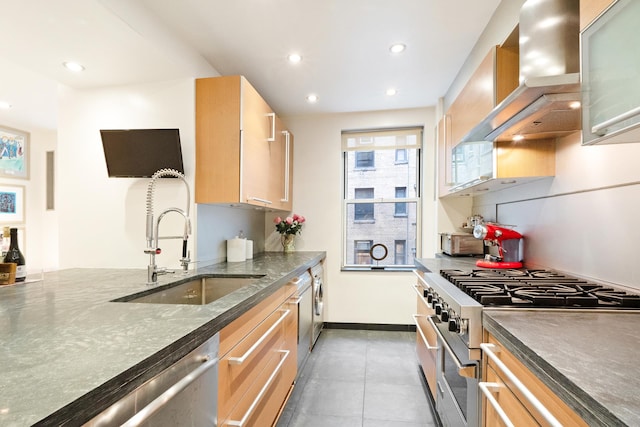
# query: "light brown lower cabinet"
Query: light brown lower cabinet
{"points": [[512, 392], [426, 340], [258, 362]]}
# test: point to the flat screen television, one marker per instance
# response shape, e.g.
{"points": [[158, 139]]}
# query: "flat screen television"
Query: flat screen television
{"points": [[139, 153]]}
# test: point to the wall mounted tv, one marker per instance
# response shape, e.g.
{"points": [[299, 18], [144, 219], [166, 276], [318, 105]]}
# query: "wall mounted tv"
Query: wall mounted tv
{"points": [[139, 153]]}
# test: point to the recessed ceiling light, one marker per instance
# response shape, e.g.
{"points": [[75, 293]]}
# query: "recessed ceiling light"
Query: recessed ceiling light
{"points": [[73, 66], [391, 92], [574, 105], [5, 105], [397, 48], [312, 98], [294, 58]]}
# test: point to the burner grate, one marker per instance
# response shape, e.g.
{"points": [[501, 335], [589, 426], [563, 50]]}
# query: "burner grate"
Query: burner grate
{"points": [[537, 288]]}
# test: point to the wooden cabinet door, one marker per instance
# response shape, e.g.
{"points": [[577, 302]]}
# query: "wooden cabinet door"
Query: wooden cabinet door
{"points": [[445, 147], [257, 129], [590, 9], [281, 161]]}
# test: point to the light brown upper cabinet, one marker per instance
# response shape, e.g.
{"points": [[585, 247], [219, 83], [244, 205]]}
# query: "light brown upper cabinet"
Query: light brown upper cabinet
{"points": [[445, 147], [240, 146], [494, 79], [590, 9]]}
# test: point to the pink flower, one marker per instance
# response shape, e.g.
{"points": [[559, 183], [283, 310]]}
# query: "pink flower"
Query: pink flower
{"points": [[301, 219], [289, 220], [277, 220]]}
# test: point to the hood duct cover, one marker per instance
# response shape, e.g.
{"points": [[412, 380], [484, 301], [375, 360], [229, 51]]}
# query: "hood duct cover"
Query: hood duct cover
{"points": [[544, 105]]}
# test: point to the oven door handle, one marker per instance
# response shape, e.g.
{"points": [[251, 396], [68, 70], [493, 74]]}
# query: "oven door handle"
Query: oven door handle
{"points": [[424, 338], [467, 371]]}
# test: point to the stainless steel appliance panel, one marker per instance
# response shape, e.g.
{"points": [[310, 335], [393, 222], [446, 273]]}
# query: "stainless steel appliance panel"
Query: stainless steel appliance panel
{"points": [[305, 318], [186, 393]]}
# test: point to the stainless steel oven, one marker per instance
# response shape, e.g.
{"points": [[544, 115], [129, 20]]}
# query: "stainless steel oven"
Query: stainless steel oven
{"points": [[455, 320]]}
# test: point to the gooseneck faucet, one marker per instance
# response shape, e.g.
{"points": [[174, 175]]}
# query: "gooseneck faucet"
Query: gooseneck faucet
{"points": [[153, 228]]}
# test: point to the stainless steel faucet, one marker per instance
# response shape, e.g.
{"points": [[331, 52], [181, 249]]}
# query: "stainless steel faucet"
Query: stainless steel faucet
{"points": [[153, 229]]}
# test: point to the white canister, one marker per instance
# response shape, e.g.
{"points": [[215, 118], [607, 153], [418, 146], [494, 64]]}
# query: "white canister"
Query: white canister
{"points": [[236, 250], [249, 248]]}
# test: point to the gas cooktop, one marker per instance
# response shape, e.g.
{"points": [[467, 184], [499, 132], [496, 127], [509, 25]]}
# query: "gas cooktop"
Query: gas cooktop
{"points": [[537, 288]]}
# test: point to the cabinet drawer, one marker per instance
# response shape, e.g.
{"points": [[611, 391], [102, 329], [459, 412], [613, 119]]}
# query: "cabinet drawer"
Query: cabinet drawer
{"points": [[261, 404], [240, 327], [565, 415], [239, 368], [426, 341], [510, 404]]}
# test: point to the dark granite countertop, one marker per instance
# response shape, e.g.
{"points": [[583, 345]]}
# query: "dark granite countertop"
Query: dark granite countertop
{"points": [[67, 352], [588, 358]]}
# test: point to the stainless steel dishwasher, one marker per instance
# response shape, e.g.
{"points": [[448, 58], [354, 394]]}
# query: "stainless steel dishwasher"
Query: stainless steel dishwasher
{"points": [[186, 393], [305, 317]]}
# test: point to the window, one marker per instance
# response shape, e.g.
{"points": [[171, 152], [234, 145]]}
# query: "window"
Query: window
{"points": [[365, 159], [362, 251], [400, 251], [401, 156], [363, 211], [401, 207], [381, 199]]}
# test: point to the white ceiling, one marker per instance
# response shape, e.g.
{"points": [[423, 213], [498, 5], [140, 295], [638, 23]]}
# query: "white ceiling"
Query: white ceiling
{"points": [[344, 44]]}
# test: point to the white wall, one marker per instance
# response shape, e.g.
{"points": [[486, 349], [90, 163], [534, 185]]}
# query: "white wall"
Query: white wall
{"points": [[102, 219], [360, 297], [583, 221]]}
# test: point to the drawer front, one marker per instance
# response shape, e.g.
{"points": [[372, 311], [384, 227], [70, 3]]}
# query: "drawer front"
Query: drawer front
{"points": [[510, 404], [261, 404], [291, 340], [426, 341], [546, 396], [239, 328], [243, 363]]}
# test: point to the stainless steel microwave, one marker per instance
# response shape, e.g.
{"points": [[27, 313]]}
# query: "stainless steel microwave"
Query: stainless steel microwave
{"points": [[610, 67]]}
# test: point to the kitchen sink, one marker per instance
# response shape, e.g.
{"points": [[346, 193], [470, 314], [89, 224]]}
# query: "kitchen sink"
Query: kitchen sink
{"points": [[200, 291]]}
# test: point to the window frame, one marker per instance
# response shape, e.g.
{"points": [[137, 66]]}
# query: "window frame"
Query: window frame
{"points": [[370, 145]]}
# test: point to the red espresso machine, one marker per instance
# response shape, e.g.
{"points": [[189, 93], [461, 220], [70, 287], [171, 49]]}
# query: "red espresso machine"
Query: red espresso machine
{"points": [[508, 242]]}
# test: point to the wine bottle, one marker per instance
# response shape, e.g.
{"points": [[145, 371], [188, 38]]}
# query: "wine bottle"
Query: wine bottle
{"points": [[14, 255]]}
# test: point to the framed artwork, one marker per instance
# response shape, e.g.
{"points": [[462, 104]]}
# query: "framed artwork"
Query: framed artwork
{"points": [[14, 153], [11, 204]]}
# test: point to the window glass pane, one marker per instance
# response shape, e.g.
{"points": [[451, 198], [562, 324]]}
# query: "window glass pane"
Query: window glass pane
{"points": [[401, 207], [401, 156], [387, 229], [364, 211], [365, 159], [362, 248]]}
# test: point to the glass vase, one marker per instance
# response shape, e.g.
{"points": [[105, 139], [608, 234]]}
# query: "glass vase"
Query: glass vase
{"points": [[287, 241]]}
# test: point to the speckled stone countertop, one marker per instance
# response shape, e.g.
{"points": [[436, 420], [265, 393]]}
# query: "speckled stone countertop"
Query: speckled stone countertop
{"points": [[67, 352], [588, 358]]}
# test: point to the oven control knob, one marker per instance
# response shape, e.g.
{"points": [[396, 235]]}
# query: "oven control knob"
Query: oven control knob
{"points": [[444, 316], [454, 325], [429, 298], [438, 308]]}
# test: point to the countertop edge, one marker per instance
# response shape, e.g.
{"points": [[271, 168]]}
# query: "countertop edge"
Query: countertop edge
{"points": [[579, 401], [102, 397]]}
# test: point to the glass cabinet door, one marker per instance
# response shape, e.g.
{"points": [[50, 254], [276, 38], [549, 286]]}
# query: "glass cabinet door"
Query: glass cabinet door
{"points": [[611, 75], [472, 162]]}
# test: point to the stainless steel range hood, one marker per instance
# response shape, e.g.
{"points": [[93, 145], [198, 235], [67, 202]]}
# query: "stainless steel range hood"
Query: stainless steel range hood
{"points": [[544, 105]]}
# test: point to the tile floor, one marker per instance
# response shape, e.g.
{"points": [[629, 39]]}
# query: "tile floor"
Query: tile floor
{"points": [[360, 378]]}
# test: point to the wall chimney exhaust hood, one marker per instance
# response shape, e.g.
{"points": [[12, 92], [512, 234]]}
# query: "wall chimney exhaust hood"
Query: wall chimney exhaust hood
{"points": [[547, 102]]}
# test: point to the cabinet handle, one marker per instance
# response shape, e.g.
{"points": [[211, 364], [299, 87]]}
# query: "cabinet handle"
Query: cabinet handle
{"points": [[424, 338], [468, 371], [418, 290], [272, 134], [485, 388], [287, 160], [171, 392], [258, 199], [600, 128], [240, 360], [264, 389], [489, 350]]}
